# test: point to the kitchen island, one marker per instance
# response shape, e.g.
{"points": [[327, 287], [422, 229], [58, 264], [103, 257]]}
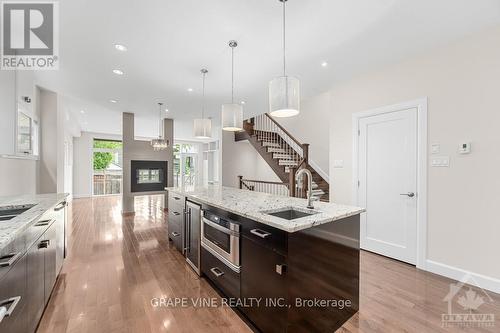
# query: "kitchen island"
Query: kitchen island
{"points": [[288, 268], [32, 251]]}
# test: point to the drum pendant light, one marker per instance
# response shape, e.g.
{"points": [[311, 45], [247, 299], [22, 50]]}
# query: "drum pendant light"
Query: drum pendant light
{"points": [[202, 126], [232, 114], [284, 91]]}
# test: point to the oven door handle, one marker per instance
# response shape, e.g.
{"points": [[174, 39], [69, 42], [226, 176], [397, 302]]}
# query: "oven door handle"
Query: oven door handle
{"points": [[218, 227]]}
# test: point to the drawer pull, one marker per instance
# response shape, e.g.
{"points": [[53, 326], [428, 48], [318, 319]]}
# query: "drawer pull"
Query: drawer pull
{"points": [[60, 206], [177, 198], [217, 272], [43, 223], [281, 269], [177, 213], [175, 234], [260, 233], [11, 303], [44, 244], [11, 259]]}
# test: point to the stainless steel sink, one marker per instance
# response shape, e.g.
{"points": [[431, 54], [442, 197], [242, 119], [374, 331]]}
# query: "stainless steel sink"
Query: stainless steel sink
{"points": [[291, 213], [11, 212]]}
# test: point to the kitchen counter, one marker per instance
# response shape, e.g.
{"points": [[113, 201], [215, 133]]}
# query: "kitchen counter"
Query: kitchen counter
{"points": [[11, 228], [255, 205]]}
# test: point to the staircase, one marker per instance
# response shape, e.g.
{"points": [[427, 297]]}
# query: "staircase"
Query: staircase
{"points": [[284, 154]]}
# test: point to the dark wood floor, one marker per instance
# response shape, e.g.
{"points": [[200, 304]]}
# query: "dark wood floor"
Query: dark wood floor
{"points": [[117, 265]]}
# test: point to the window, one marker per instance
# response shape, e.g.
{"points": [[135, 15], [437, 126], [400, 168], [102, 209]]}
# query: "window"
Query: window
{"points": [[27, 134], [185, 164], [108, 163]]}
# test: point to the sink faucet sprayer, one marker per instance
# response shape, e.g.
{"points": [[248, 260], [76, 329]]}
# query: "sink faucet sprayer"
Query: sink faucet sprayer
{"points": [[309, 185]]}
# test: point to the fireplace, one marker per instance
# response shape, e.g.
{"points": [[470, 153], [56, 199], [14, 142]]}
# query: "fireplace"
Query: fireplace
{"points": [[148, 176]]}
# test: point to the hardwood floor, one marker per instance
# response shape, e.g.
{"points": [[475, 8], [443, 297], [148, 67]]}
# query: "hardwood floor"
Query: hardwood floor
{"points": [[116, 265]]}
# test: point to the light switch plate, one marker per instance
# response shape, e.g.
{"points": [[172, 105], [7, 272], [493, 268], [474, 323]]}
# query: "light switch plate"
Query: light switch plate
{"points": [[435, 148], [338, 163], [440, 162]]}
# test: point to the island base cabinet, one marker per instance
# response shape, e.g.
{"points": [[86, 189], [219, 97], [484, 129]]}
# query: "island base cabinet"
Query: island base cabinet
{"points": [[263, 278], [13, 298], [35, 284]]}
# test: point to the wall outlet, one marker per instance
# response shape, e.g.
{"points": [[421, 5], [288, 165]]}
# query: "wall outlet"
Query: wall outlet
{"points": [[441, 161]]}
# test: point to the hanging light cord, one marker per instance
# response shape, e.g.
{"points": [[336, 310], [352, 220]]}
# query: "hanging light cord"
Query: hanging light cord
{"points": [[203, 98], [232, 75], [284, 38], [160, 129]]}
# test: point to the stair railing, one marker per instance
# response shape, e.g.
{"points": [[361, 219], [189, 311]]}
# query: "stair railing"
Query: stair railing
{"points": [[277, 188]]}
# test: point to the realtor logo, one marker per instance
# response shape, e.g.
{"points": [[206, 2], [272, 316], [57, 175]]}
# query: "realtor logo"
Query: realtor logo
{"points": [[30, 35], [467, 301]]}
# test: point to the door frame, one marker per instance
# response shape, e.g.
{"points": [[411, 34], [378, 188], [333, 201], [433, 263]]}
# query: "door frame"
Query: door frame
{"points": [[421, 106]]}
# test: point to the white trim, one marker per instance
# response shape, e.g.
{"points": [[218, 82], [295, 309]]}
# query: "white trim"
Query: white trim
{"points": [[319, 171], [484, 282], [421, 105]]}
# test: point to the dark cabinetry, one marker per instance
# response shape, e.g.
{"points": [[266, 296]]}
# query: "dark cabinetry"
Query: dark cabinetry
{"points": [[13, 300], [29, 274], [263, 277]]}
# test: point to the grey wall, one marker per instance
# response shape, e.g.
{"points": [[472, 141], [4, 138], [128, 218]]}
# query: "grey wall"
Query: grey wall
{"points": [[47, 180], [241, 159], [142, 150]]}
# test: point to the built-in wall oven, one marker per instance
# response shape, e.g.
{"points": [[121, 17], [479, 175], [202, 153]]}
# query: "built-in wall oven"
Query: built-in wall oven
{"points": [[221, 237]]}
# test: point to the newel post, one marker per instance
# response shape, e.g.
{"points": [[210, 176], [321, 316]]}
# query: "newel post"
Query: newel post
{"points": [[292, 185], [241, 181], [305, 149]]}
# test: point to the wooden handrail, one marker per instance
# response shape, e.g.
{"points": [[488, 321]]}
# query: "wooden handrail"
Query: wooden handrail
{"points": [[284, 130], [264, 182]]}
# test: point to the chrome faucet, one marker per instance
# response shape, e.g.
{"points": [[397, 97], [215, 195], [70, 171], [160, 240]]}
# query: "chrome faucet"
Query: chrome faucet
{"points": [[309, 185]]}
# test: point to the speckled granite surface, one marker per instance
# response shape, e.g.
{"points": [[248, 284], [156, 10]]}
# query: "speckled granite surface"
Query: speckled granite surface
{"points": [[254, 205], [11, 228]]}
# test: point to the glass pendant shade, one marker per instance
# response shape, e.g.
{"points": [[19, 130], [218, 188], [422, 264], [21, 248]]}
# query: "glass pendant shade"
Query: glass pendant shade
{"points": [[202, 128], [284, 96], [232, 117], [160, 143]]}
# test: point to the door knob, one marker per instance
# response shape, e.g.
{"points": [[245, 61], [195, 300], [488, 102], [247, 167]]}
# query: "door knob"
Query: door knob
{"points": [[409, 194]]}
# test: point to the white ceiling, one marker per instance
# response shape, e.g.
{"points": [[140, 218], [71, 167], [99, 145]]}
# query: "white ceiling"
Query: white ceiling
{"points": [[170, 41]]}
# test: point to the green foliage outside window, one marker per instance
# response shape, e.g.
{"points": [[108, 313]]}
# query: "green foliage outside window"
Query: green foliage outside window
{"points": [[102, 160]]}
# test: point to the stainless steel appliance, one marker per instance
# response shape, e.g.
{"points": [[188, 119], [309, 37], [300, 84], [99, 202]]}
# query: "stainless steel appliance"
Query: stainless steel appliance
{"points": [[192, 234], [221, 237]]}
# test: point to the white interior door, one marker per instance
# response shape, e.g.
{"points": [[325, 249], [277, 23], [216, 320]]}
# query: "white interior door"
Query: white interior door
{"points": [[388, 183]]}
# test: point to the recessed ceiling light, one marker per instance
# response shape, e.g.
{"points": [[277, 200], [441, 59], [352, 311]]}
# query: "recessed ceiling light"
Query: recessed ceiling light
{"points": [[242, 102], [114, 101], [166, 110], [118, 72], [190, 89], [82, 111], [324, 64], [120, 47]]}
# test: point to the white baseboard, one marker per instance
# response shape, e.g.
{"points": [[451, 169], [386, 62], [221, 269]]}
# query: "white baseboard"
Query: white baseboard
{"points": [[79, 196], [484, 282]]}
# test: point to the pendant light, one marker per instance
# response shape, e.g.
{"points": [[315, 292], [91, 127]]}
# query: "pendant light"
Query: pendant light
{"points": [[284, 91], [160, 143], [203, 127], [232, 114]]}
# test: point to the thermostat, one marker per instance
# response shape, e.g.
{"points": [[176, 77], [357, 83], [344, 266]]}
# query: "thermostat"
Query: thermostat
{"points": [[464, 148]]}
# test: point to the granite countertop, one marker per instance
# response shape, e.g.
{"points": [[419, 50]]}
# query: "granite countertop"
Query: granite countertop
{"points": [[11, 228], [254, 205]]}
